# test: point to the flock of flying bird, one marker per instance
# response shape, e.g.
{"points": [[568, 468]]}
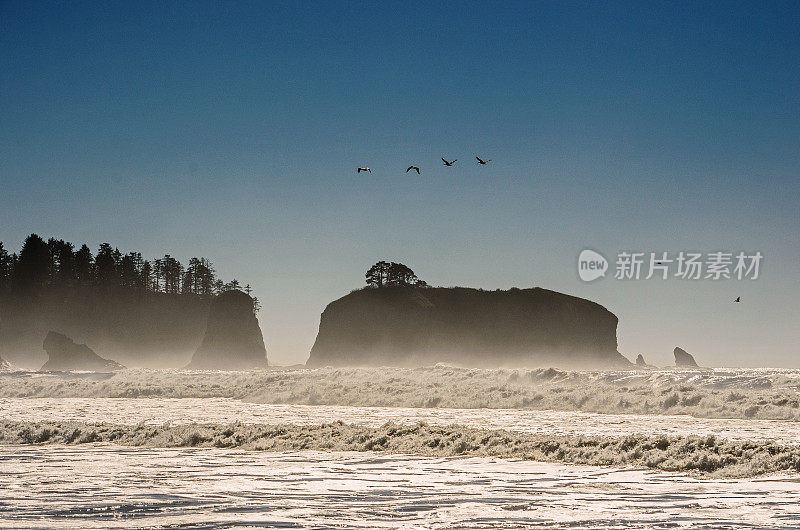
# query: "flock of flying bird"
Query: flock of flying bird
{"points": [[483, 163], [415, 168]]}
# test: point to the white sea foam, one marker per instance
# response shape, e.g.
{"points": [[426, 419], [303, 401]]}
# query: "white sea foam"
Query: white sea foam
{"points": [[434, 447], [743, 393], [182, 411], [707, 454], [106, 486]]}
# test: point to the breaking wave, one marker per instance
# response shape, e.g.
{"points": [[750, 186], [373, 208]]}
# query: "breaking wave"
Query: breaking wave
{"points": [[705, 455], [741, 393]]}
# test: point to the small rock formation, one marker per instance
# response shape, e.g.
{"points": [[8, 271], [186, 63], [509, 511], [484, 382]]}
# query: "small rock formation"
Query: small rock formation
{"points": [[684, 359], [233, 339], [407, 326], [64, 355], [640, 360], [4, 365]]}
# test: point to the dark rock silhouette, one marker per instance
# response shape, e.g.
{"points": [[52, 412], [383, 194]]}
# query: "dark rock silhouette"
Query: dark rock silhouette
{"points": [[409, 326], [640, 360], [233, 339], [684, 359], [64, 355], [152, 329]]}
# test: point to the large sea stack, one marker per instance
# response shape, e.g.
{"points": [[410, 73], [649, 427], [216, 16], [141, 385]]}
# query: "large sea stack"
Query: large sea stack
{"points": [[233, 339], [406, 326], [64, 355]]}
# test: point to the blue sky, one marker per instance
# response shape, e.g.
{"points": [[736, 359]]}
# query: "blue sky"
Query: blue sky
{"points": [[233, 131]]}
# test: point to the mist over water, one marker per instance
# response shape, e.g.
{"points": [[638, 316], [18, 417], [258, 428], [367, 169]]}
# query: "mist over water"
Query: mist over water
{"points": [[707, 393]]}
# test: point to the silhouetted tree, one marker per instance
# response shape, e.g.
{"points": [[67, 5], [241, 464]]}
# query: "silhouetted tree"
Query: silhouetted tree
{"points": [[84, 266], [171, 271], [146, 276], [384, 274], [56, 265], [205, 277], [187, 281], [32, 268], [158, 269], [190, 277], [62, 254], [401, 275], [128, 270], [5, 267], [105, 268], [199, 277], [378, 274]]}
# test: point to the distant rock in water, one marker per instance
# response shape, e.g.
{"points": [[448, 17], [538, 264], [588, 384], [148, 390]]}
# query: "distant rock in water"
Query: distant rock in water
{"points": [[640, 360], [143, 329], [684, 359], [4, 365], [405, 326], [64, 355], [233, 339]]}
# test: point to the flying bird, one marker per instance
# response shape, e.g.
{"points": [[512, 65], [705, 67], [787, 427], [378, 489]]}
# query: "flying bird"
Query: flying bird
{"points": [[412, 167], [738, 299], [448, 163], [363, 169], [482, 162]]}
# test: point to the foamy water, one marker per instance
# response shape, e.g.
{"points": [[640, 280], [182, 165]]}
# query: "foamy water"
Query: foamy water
{"points": [[743, 393], [108, 486], [156, 411], [220, 449]]}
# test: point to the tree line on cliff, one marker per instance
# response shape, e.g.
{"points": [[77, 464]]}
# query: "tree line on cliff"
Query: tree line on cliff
{"points": [[391, 274], [55, 266]]}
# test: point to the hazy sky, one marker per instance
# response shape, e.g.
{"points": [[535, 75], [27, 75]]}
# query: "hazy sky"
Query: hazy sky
{"points": [[233, 131]]}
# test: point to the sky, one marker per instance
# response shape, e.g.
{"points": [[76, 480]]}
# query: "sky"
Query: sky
{"points": [[233, 131]]}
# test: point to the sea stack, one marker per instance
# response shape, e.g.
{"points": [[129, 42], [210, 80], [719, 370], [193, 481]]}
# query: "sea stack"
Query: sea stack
{"points": [[412, 326], [64, 355], [684, 359], [640, 360], [233, 339]]}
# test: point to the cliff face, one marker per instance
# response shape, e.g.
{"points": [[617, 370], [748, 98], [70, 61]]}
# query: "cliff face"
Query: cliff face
{"points": [[468, 327], [65, 355], [153, 330], [233, 339]]}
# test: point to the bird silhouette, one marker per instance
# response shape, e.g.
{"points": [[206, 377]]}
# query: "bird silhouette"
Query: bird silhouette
{"points": [[482, 162], [412, 167], [738, 299], [448, 163], [363, 169]]}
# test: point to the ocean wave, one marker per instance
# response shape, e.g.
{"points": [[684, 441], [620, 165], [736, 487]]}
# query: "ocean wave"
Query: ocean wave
{"points": [[706, 455], [743, 393]]}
